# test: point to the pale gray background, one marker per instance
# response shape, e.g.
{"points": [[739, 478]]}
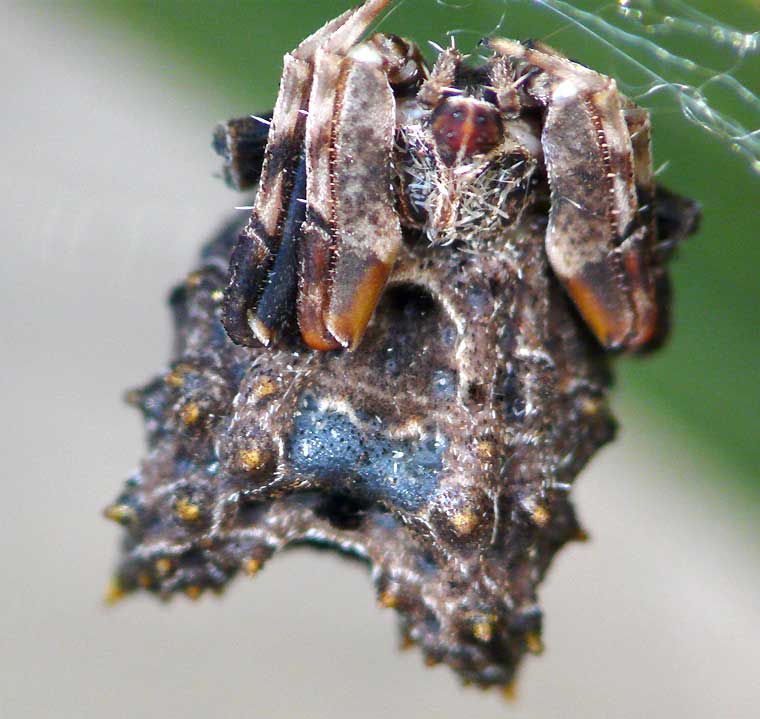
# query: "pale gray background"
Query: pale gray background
{"points": [[106, 192]]}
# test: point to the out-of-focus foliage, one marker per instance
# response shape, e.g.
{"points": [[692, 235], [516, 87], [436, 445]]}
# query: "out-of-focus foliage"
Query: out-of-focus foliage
{"points": [[707, 380]]}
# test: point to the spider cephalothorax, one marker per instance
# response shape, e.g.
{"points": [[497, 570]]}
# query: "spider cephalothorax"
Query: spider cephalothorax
{"points": [[364, 140]]}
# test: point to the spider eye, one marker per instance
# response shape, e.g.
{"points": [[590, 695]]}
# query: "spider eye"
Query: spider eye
{"points": [[463, 127]]}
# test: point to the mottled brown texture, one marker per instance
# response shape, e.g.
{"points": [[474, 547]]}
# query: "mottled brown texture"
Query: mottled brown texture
{"points": [[442, 450]]}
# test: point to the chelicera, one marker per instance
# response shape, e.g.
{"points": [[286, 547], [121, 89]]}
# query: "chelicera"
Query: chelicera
{"points": [[366, 143]]}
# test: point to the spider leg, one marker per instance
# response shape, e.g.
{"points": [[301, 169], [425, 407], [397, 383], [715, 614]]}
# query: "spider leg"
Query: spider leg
{"points": [[672, 219], [640, 130], [259, 243], [649, 281], [278, 299], [241, 143], [352, 233], [598, 241], [366, 222], [255, 267], [442, 80]]}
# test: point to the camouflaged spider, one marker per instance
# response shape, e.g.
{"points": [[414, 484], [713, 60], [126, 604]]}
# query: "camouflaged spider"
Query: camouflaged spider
{"points": [[442, 450], [364, 140]]}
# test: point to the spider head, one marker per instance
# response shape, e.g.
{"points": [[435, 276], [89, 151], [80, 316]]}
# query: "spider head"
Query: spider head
{"points": [[464, 127], [466, 160], [465, 122]]}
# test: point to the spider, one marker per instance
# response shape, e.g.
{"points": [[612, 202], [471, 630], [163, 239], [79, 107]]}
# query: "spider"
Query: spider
{"points": [[366, 144], [443, 448]]}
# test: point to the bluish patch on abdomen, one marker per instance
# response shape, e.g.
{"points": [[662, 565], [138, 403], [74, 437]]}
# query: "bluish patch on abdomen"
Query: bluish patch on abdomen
{"points": [[327, 445]]}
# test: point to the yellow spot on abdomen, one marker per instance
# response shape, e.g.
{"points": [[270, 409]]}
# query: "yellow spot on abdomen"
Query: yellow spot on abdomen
{"points": [[251, 566], [464, 522], [187, 511], [253, 458], [190, 413]]}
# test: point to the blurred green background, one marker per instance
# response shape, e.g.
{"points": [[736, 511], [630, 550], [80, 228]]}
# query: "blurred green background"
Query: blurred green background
{"points": [[706, 381]]}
